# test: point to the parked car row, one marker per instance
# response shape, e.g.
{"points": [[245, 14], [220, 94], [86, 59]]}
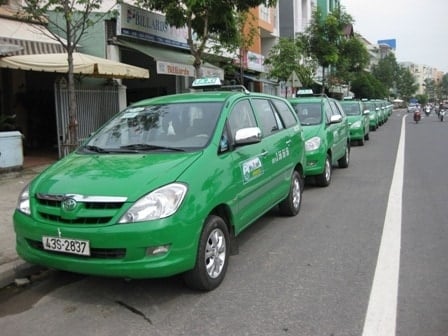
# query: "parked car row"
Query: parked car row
{"points": [[167, 185], [332, 126], [326, 132]]}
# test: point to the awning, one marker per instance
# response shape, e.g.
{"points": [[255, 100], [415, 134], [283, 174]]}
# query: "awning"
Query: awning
{"points": [[170, 62], [261, 80], [83, 64], [27, 38]]}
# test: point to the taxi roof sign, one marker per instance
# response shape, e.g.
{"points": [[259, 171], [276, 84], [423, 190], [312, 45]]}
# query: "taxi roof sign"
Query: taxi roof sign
{"points": [[304, 92], [206, 82]]}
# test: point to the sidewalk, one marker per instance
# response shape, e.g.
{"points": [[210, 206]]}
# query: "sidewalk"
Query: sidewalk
{"points": [[11, 184]]}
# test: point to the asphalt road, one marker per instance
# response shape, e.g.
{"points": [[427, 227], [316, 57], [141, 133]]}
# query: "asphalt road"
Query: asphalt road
{"points": [[308, 275]]}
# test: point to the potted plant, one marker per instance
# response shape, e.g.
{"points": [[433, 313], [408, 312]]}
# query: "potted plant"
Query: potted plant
{"points": [[7, 122]]}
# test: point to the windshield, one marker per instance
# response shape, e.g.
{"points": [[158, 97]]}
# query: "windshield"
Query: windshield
{"points": [[308, 113], [180, 126], [351, 109]]}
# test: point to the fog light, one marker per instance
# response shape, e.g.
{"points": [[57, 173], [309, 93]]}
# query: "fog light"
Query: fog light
{"points": [[157, 250], [311, 163]]}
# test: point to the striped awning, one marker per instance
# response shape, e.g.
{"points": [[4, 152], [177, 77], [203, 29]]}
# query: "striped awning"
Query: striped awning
{"points": [[22, 38]]}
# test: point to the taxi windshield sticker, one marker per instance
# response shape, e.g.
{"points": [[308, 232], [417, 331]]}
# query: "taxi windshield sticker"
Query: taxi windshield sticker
{"points": [[252, 169]]}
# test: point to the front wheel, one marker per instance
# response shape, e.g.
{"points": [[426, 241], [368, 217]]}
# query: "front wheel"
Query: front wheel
{"points": [[290, 206], [324, 179], [344, 161], [212, 258]]}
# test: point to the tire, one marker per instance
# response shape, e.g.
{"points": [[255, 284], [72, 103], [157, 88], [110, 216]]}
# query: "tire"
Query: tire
{"points": [[344, 161], [367, 136], [290, 206], [324, 179], [212, 258], [361, 141]]}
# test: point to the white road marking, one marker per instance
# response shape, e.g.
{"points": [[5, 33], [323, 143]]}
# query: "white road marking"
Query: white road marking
{"points": [[382, 310]]}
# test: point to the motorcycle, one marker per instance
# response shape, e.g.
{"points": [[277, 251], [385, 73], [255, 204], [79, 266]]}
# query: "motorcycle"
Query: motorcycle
{"points": [[417, 116], [441, 114], [427, 110]]}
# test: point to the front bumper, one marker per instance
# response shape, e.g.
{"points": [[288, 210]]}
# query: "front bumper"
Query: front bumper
{"points": [[118, 250]]}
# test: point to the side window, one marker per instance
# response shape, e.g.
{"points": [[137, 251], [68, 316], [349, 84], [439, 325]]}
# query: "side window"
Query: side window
{"points": [[269, 121], [337, 109], [327, 109], [287, 115], [241, 116]]}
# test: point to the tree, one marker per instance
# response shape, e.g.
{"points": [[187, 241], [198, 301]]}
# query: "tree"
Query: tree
{"points": [[323, 38], [77, 16], [387, 70], [365, 85], [287, 56], [406, 84], [353, 58], [205, 20], [444, 87]]}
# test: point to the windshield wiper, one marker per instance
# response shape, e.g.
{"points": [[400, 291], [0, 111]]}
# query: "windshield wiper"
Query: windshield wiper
{"points": [[146, 147], [95, 149]]}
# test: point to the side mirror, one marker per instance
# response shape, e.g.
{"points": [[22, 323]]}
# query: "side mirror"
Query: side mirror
{"points": [[334, 119], [246, 136]]}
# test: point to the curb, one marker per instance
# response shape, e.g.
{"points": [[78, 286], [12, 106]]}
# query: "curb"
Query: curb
{"points": [[18, 268]]}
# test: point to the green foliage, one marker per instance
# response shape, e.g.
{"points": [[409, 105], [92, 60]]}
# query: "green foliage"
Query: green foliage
{"points": [[324, 40], [364, 85], [7, 122], [76, 17], [387, 70], [324, 36], [72, 19], [206, 20], [406, 84], [353, 57], [287, 56]]}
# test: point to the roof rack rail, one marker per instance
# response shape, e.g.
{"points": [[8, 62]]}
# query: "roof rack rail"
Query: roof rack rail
{"points": [[240, 88]]}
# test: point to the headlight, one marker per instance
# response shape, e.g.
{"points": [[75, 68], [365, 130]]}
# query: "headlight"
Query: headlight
{"points": [[356, 124], [312, 144], [160, 203], [23, 203]]}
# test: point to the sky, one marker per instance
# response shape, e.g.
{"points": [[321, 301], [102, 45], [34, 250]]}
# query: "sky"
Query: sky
{"points": [[419, 27]]}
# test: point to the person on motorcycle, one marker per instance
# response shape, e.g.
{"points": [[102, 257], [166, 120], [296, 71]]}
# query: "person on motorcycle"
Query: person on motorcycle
{"points": [[417, 115]]}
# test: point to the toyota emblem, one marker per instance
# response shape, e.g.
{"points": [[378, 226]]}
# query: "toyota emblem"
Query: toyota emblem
{"points": [[69, 204]]}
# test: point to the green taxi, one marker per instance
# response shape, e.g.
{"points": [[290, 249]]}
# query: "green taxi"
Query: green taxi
{"points": [[358, 119], [327, 135], [374, 121], [165, 187]]}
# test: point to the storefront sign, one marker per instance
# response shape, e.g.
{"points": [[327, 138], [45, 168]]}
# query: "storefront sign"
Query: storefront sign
{"points": [[255, 61], [148, 26], [167, 68]]}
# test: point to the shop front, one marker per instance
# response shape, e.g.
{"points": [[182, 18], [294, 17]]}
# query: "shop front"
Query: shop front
{"points": [[145, 39]]}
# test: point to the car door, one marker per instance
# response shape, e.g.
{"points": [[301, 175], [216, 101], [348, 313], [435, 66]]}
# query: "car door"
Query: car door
{"points": [[282, 143], [250, 169], [340, 130]]}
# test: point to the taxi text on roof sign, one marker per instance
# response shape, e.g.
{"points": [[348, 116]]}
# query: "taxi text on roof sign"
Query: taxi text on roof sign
{"points": [[206, 81], [304, 92]]}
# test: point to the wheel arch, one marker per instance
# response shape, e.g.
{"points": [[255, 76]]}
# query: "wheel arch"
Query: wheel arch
{"points": [[224, 211]]}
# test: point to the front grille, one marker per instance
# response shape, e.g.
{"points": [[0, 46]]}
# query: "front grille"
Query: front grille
{"points": [[91, 209], [98, 253], [79, 220]]}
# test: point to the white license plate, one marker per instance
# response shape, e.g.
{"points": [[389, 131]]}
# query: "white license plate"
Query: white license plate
{"points": [[66, 245]]}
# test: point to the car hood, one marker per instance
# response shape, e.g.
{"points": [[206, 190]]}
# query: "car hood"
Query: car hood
{"points": [[129, 176], [310, 131], [352, 119]]}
